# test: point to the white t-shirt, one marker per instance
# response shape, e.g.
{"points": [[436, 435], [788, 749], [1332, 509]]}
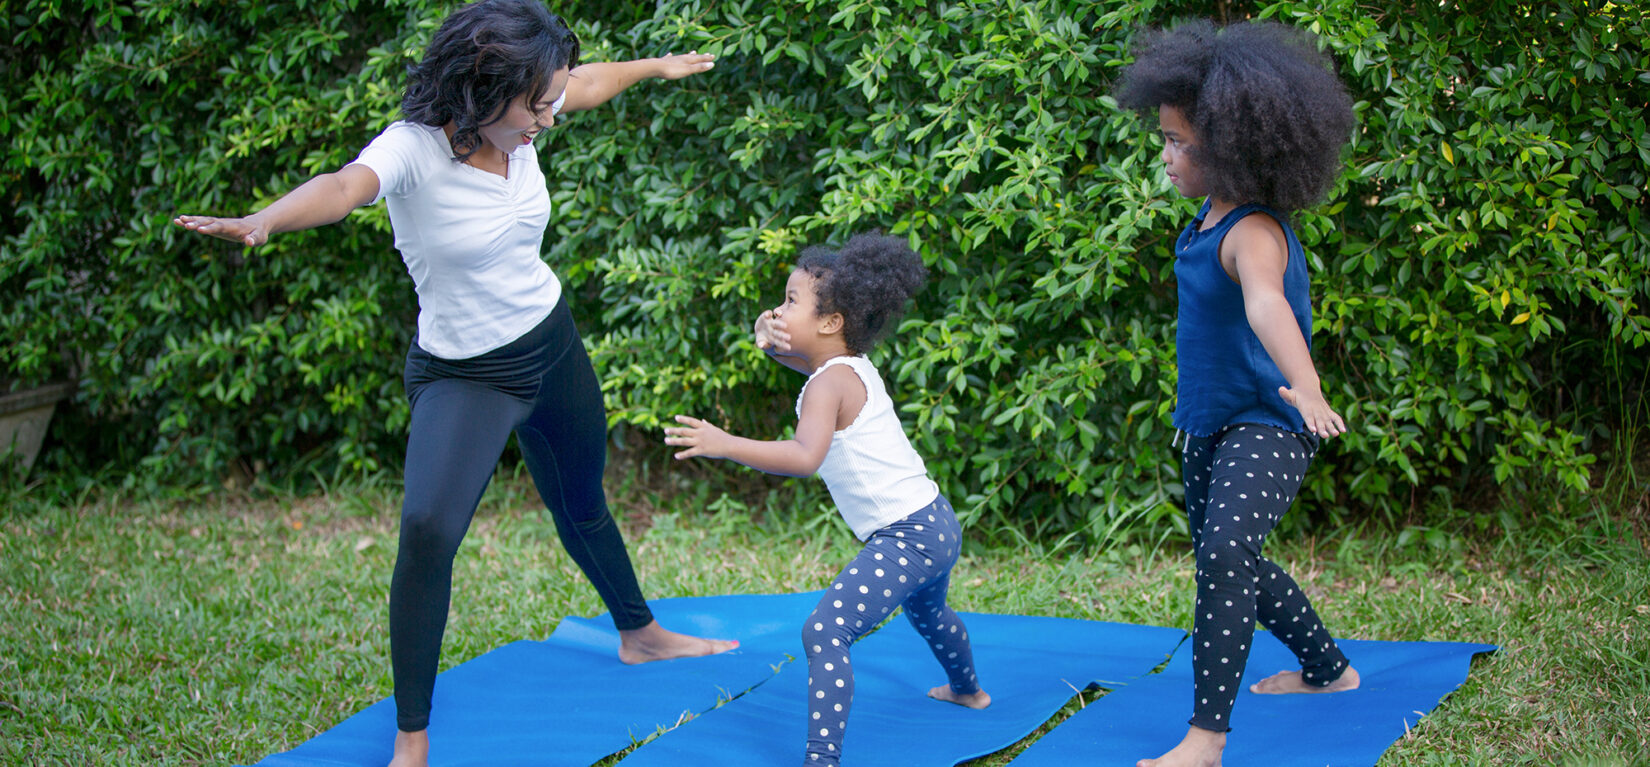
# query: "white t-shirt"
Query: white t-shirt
{"points": [[875, 477], [471, 239]]}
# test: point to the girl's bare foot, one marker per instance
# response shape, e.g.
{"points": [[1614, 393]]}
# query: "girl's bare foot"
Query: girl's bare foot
{"points": [[1289, 682], [978, 699], [653, 642], [412, 749], [1200, 748]]}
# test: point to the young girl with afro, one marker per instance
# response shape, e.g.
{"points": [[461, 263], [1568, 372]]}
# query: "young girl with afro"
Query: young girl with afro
{"points": [[836, 305], [1253, 119]]}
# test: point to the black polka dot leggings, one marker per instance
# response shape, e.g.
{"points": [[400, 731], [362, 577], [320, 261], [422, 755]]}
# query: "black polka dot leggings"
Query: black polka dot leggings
{"points": [[1239, 483], [907, 563]]}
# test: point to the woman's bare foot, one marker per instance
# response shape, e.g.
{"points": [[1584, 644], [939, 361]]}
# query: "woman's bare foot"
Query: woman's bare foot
{"points": [[1200, 748], [1289, 682], [977, 699], [653, 642], [412, 749]]}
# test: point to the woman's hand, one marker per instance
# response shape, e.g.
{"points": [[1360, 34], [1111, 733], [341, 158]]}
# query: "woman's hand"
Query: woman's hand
{"points": [[1320, 419], [699, 437], [770, 333], [678, 66], [245, 231]]}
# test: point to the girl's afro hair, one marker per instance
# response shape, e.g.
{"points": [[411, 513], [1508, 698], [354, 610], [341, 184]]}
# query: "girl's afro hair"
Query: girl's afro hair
{"points": [[1269, 112], [868, 282]]}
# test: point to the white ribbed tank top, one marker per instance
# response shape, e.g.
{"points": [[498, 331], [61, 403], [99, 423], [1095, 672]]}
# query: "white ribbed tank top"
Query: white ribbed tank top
{"points": [[874, 475]]}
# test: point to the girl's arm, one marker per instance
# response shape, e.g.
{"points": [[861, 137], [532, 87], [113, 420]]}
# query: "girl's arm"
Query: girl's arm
{"points": [[591, 85], [1258, 253], [796, 457], [322, 200]]}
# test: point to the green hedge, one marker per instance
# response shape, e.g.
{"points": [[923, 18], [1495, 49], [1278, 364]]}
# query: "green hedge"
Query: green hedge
{"points": [[1481, 271]]}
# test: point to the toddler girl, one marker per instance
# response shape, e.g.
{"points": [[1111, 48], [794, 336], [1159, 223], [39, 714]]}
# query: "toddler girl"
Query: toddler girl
{"points": [[837, 304]]}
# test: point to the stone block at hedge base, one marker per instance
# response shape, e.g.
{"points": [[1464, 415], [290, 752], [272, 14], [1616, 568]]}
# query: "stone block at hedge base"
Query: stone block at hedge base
{"points": [[24, 416]]}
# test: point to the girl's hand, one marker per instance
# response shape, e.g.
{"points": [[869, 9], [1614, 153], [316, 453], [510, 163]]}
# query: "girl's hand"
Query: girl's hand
{"points": [[242, 230], [678, 66], [1320, 418], [700, 438], [770, 333]]}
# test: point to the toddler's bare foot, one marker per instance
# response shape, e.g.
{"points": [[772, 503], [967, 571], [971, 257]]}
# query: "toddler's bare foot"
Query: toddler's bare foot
{"points": [[1200, 748], [412, 749], [1288, 682], [653, 642], [977, 699]]}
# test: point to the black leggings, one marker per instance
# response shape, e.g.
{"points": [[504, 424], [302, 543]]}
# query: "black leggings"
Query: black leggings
{"points": [[1239, 483], [542, 387]]}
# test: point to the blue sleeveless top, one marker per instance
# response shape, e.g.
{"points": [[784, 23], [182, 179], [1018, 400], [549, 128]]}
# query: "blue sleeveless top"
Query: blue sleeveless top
{"points": [[1226, 376]]}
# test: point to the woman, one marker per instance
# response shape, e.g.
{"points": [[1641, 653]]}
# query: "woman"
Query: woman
{"points": [[496, 350]]}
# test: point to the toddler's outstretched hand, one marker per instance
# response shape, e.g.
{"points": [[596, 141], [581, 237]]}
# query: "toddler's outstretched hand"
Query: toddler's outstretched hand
{"points": [[699, 437], [770, 333], [1321, 419], [678, 66]]}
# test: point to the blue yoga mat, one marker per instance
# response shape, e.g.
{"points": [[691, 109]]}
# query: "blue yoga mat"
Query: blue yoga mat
{"points": [[1399, 683], [1030, 665], [568, 700]]}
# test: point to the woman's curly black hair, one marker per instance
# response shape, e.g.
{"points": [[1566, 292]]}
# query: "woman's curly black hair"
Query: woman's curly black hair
{"points": [[868, 282], [484, 56], [1269, 112]]}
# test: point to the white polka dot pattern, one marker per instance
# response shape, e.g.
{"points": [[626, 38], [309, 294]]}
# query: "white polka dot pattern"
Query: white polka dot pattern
{"points": [[1256, 489], [884, 580]]}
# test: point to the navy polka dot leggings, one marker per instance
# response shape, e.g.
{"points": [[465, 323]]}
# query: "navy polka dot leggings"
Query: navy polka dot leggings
{"points": [[906, 564], [1239, 483]]}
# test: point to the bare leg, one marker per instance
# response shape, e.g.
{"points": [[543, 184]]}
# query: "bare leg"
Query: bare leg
{"points": [[1287, 682], [654, 642], [1200, 748], [412, 749], [977, 699]]}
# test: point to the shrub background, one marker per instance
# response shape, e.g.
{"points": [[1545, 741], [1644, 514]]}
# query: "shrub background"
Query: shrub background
{"points": [[1480, 273]]}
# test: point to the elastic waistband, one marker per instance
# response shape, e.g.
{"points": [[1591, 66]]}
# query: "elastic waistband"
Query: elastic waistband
{"points": [[1183, 439], [940, 503], [515, 368]]}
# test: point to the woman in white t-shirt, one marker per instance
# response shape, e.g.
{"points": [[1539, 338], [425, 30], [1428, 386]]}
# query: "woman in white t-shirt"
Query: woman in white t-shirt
{"points": [[495, 350], [837, 304]]}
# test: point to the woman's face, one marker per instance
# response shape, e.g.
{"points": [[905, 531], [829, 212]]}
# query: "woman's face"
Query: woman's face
{"points": [[522, 121], [1178, 140]]}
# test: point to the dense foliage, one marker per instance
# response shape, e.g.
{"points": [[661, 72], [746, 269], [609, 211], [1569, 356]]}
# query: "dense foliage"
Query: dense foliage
{"points": [[1481, 272]]}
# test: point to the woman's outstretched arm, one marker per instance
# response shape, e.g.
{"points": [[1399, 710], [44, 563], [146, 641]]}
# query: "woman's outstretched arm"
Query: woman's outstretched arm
{"points": [[322, 200], [591, 85]]}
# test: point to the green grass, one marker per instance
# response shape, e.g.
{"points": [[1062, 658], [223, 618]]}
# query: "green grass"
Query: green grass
{"points": [[219, 630]]}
